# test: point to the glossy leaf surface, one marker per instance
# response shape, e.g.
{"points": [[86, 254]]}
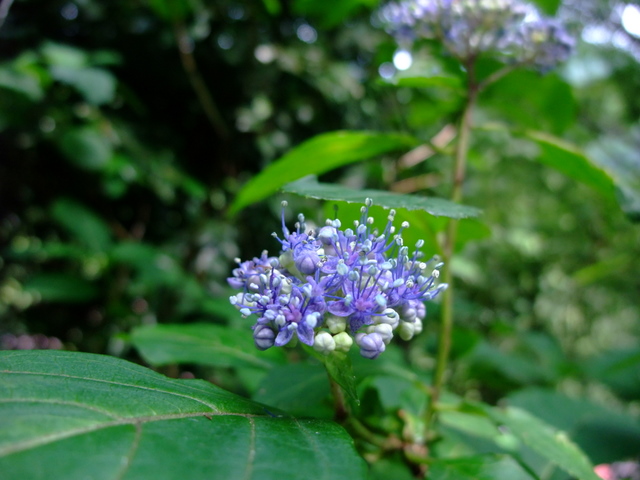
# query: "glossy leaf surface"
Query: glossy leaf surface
{"points": [[318, 155], [80, 416]]}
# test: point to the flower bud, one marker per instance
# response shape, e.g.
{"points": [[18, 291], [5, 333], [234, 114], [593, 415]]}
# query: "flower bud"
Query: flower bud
{"points": [[324, 343], [306, 261], [343, 341], [389, 316], [371, 345], [385, 331], [406, 330], [263, 337], [336, 324]]}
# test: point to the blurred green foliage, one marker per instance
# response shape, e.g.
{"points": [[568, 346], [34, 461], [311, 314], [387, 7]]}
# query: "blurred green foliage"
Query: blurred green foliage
{"points": [[132, 137]]}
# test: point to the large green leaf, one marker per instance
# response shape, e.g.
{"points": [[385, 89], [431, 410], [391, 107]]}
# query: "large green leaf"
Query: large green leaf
{"points": [[481, 467], [435, 206], [604, 435], [554, 445], [77, 416], [318, 155], [202, 343]]}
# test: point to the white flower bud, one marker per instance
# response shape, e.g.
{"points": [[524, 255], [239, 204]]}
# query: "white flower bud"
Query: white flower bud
{"points": [[389, 316], [324, 343]]}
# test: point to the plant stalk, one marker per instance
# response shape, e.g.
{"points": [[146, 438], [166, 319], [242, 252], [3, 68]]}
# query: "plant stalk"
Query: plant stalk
{"points": [[446, 322]]}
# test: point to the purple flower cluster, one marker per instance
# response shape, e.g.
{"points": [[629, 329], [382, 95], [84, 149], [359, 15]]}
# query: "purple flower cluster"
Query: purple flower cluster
{"points": [[510, 29], [333, 287]]}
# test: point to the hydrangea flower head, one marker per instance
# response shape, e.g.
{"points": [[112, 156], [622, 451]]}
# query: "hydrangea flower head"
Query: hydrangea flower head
{"points": [[331, 288], [509, 29]]}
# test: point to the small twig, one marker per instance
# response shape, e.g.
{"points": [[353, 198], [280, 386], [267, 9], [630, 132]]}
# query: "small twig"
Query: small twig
{"points": [[190, 66]]}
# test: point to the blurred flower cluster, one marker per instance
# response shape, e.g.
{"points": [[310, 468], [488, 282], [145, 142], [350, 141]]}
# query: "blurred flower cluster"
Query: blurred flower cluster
{"points": [[331, 287], [511, 30]]}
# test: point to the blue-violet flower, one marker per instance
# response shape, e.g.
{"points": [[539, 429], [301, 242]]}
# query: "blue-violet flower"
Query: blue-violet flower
{"points": [[334, 287]]}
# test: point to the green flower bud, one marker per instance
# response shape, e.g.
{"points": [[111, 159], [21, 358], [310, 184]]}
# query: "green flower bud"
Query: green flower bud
{"points": [[343, 341]]}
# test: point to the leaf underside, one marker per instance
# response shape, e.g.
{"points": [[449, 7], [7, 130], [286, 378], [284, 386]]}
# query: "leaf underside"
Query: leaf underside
{"points": [[438, 207]]}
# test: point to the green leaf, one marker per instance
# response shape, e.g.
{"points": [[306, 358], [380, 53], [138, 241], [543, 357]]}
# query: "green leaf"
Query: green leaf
{"points": [[429, 81], [617, 369], [60, 287], [435, 206], [568, 159], [330, 13], [170, 10], [318, 155], [618, 155], [64, 55], [339, 366], [272, 6], [96, 85], [549, 7], [550, 443], [91, 416], [20, 82], [528, 100], [481, 467], [202, 343], [604, 435], [84, 225], [299, 389], [86, 147]]}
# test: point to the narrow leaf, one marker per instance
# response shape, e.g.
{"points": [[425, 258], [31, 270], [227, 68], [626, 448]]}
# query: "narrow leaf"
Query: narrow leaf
{"points": [[318, 155], [568, 159], [435, 206], [75, 416]]}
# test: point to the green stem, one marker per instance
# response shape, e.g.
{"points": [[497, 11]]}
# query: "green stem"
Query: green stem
{"points": [[340, 408], [446, 324]]}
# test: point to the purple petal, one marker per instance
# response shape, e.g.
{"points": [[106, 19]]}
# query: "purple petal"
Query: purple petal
{"points": [[284, 335], [305, 334], [339, 309]]}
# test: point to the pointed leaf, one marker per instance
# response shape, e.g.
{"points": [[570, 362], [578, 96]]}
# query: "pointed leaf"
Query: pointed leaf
{"points": [[318, 155], [481, 467], [435, 206], [550, 443], [568, 159], [76, 416]]}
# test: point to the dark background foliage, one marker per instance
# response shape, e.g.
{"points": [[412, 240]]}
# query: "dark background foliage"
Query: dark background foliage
{"points": [[127, 128]]}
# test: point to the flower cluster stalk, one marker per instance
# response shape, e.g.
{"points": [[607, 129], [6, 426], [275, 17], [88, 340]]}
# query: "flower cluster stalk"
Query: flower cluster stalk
{"points": [[459, 170]]}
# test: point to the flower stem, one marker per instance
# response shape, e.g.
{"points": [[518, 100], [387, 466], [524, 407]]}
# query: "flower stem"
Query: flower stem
{"points": [[446, 322]]}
